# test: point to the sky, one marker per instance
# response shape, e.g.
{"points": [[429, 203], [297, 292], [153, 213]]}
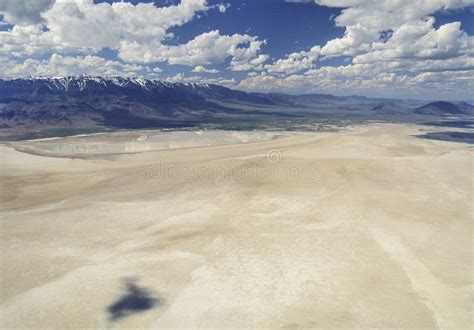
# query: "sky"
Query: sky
{"points": [[377, 48]]}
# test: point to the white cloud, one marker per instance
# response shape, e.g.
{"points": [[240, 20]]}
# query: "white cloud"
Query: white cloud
{"points": [[84, 26], [384, 14], [390, 45], [24, 12], [139, 33], [207, 48], [223, 7], [393, 46], [201, 69], [23, 41], [231, 83], [58, 65], [378, 79], [365, 20], [249, 61], [295, 62], [182, 78], [357, 39], [420, 40]]}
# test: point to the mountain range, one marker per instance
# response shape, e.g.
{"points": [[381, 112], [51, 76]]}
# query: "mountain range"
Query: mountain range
{"points": [[116, 102]]}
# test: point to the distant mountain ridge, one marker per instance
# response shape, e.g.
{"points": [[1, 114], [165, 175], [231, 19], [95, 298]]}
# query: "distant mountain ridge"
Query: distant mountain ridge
{"points": [[88, 101], [444, 108], [82, 82]]}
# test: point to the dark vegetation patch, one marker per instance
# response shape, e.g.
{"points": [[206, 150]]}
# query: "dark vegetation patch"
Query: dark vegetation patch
{"points": [[464, 137], [453, 123]]}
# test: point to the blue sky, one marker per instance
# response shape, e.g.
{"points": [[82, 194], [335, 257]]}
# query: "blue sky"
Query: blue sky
{"points": [[382, 48]]}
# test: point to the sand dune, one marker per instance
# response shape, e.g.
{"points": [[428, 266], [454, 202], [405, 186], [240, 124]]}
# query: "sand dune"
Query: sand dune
{"points": [[366, 227]]}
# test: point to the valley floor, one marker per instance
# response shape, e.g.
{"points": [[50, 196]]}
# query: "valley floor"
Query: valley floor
{"points": [[366, 227]]}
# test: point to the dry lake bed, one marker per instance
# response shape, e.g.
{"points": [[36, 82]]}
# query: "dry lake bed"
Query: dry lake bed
{"points": [[367, 227]]}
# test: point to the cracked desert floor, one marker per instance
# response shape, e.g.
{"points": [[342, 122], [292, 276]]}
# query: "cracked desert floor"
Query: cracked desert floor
{"points": [[367, 227]]}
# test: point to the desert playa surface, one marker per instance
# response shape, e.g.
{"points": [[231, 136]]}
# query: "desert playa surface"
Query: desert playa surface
{"points": [[369, 226]]}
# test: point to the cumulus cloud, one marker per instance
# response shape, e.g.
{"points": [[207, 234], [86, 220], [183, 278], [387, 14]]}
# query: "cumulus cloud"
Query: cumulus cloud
{"points": [[392, 46], [23, 41], [295, 62], [138, 32], [357, 39], [391, 42], [206, 48], [180, 77], [367, 22], [200, 69], [420, 40], [389, 45], [58, 65], [246, 62], [84, 24], [24, 12], [375, 80], [383, 14]]}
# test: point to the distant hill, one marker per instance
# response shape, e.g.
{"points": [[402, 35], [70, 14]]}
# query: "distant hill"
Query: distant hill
{"points": [[443, 108], [88, 102], [387, 108]]}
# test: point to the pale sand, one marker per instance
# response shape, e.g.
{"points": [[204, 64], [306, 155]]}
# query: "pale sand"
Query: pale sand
{"points": [[375, 230]]}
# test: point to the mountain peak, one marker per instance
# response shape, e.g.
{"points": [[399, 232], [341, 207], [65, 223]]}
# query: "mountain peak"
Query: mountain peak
{"points": [[82, 82]]}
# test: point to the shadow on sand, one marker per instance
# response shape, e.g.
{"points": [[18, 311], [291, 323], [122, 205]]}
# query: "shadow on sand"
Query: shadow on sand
{"points": [[136, 299]]}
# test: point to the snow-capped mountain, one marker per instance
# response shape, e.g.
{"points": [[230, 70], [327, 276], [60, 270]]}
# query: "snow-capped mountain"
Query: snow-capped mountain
{"points": [[83, 82], [87, 101]]}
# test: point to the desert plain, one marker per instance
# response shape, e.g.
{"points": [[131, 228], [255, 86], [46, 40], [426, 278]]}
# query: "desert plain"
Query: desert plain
{"points": [[366, 227]]}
